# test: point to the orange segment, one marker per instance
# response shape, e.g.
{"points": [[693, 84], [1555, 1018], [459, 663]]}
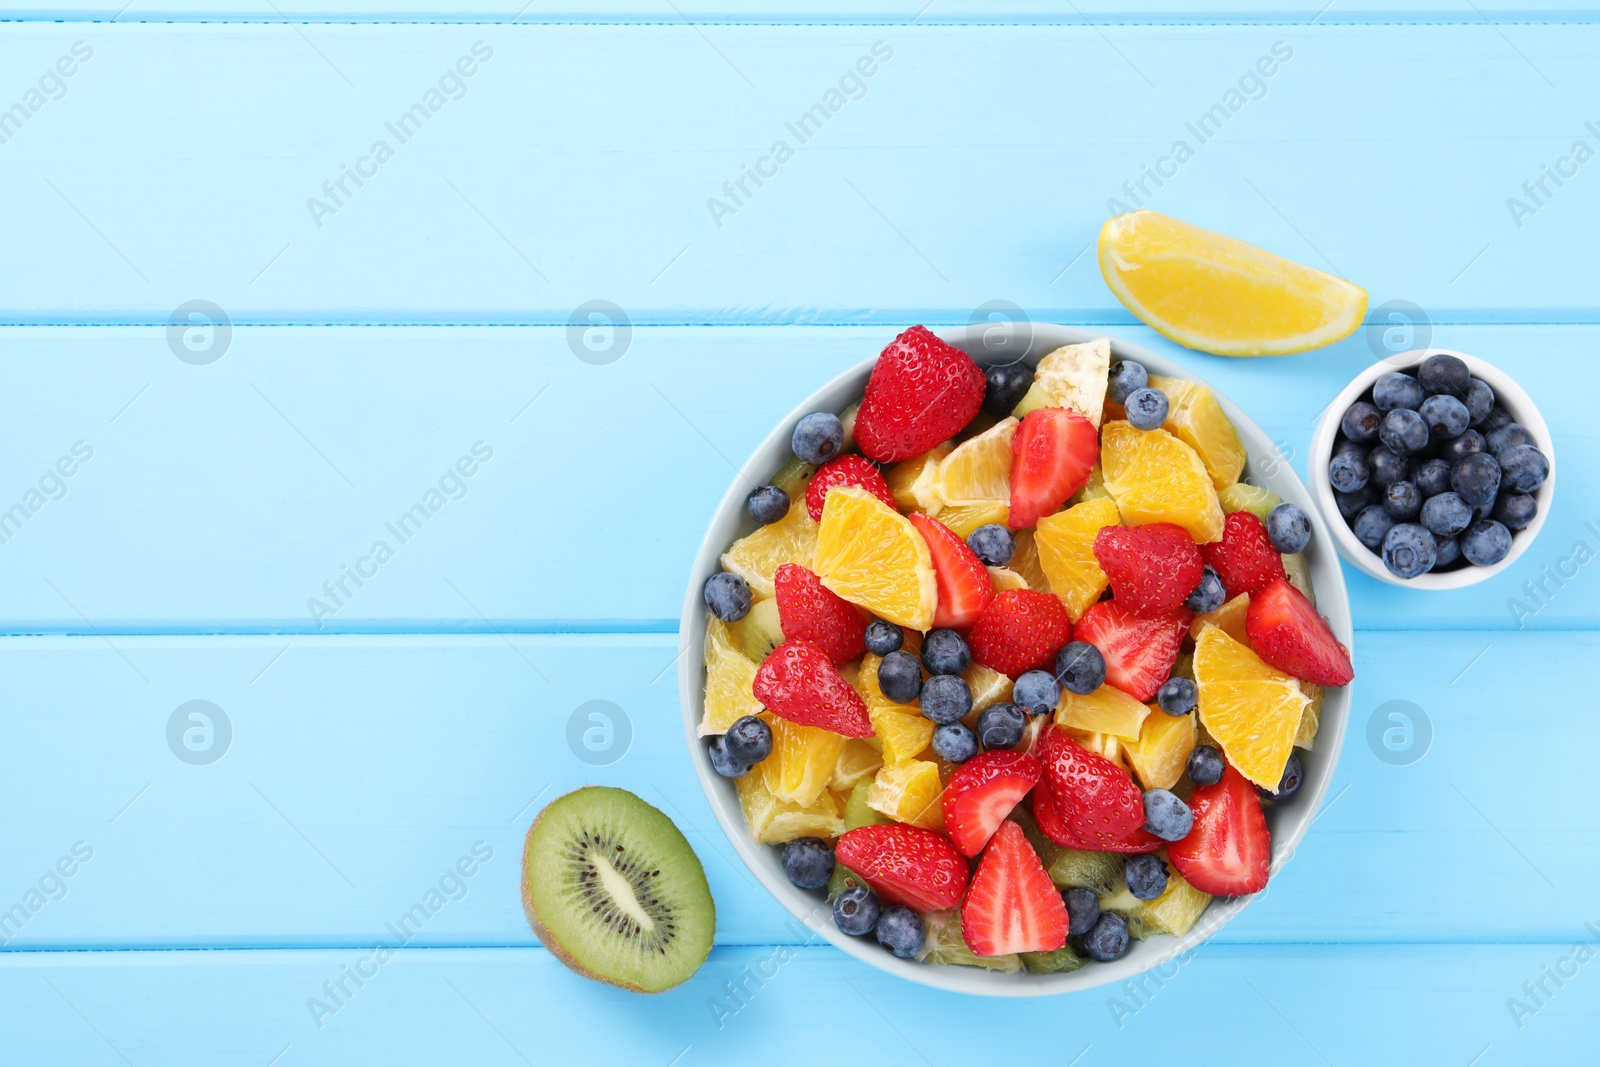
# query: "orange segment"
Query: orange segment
{"points": [[909, 793], [1071, 377], [1026, 560], [1306, 735], [903, 736], [1004, 578], [1108, 745], [1195, 418], [1163, 748], [979, 470], [1252, 710], [802, 761], [872, 556], [964, 518], [912, 481], [757, 556], [773, 821], [1154, 477], [857, 760], [1230, 617], [1065, 543], [1107, 710], [988, 686], [729, 677]]}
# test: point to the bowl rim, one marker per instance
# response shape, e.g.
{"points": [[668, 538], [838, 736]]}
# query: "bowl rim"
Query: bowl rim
{"points": [[1290, 822], [1508, 394]]}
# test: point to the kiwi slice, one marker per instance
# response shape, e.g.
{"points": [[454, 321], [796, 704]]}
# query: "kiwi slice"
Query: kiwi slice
{"points": [[1061, 961], [615, 892], [759, 632], [1089, 870]]}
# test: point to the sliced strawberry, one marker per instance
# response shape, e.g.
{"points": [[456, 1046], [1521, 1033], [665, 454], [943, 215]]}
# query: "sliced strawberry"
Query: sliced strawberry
{"points": [[1047, 813], [1021, 630], [1012, 906], [1286, 631], [1229, 850], [982, 792], [1139, 653], [1098, 801], [1244, 559], [922, 392], [845, 470], [798, 681], [906, 865], [1152, 569], [965, 587], [810, 611], [1051, 457]]}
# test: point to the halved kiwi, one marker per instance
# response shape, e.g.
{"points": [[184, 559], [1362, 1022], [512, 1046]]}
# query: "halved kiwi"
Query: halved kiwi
{"points": [[615, 892]]}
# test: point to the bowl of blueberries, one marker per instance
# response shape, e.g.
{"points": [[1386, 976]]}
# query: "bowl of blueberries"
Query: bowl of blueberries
{"points": [[1434, 470]]}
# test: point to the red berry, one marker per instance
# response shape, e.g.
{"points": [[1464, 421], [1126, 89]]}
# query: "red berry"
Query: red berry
{"points": [[1012, 906], [1152, 569], [1139, 653], [1021, 630], [845, 470], [809, 611], [1286, 631], [1229, 850], [798, 682], [1052, 454], [1047, 813], [1098, 802], [982, 792], [1244, 559], [965, 587], [906, 865], [922, 392]]}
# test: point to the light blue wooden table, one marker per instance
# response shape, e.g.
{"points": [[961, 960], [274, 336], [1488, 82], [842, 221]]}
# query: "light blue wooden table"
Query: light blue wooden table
{"points": [[379, 330]]}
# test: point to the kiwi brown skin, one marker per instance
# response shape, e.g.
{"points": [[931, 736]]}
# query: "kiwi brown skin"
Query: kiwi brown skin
{"points": [[548, 937]]}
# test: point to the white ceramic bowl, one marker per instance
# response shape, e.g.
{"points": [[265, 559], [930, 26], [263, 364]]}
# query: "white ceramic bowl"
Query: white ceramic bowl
{"points": [[1508, 394], [1287, 821]]}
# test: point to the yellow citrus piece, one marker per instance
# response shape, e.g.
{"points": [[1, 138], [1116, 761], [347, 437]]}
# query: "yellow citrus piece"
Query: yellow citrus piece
{"points": [[1071, 377], [1154, 477], [1108, 745], [964, 518], [1242, 496], [1107, 710], [1306, 735], [729, 677], [1065, 542], [1195, 418], [773, 821], [1003, 578], [1026, 560], [1217, 294], [988, 686], [912, 481], [902, 735], [872, 556], [1174, 911], [909, 792], [1230, 617], [857, 760], [802, 761], [1163, 748], [757, 556], [979, 470], [1253, 710]]}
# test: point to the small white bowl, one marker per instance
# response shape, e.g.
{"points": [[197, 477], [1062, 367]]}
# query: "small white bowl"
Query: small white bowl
{"points": [[1508, 394]]}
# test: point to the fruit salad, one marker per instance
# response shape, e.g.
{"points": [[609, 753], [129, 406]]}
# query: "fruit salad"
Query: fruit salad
{"points": [[1013, 659]]}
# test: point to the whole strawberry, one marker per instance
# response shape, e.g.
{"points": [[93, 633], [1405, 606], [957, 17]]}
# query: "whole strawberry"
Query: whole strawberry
{"points": [[845, 470], [1152, 569], [1021, 630], [798, 682], [1244, 559], [922, 392], [906, 865], [810, 611]]}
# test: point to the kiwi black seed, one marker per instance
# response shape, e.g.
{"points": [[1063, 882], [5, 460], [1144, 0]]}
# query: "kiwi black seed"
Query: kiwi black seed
{"points": [[615, 892]]}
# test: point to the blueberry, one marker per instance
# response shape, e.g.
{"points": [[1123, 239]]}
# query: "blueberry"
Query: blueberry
{"points": [[1449, 552], [884, 637], [1350, 504], [808, 861], [1008, 383], [723, 763], [1445, 415], [1409, 550], [900, 930], [1395, 390], [1480, 401], [992, 543], [946, 698], [1348, 472], [945, 652], [1083, 909], [1208, 595], [1166, 816], [1442, 373], [1080, 667], [1462, 445], [1372, 525], [1146, 408], [748, 740], [728, 596], [818, 437], [1108, 940], [1205, 765], [1289, 784], [1145, 874], [1178, 695], [1001, 725], [1446, 515], [900, 677], [1523, 468], [1485, 543], [1508, 436], [1515, 510], [1288, 528], [1475, 478], [767, 504], [1403, 431], [1360, 422], [1387, 467], [1433, 478], [856, 911], [1402, 500], [954, 743], [1497, 417], [1036, 692], [1126, 377]]}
